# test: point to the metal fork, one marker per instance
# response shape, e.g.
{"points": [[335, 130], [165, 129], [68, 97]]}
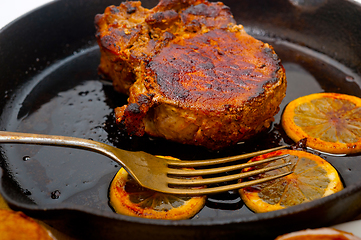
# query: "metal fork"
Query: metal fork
{"points": [[159, 174]]}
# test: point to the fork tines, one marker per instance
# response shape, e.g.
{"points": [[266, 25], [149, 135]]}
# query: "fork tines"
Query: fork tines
{"points": [[181, 178]]}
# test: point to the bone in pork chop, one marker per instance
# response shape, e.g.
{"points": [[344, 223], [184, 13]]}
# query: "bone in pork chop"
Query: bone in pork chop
{"points": [[193, 76]]}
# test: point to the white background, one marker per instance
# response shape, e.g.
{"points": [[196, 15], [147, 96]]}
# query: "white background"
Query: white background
{"points": [[12, 9]]}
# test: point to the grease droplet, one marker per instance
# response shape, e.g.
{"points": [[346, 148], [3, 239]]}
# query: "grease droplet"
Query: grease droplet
{"points": [[350, 78], [84, 93], [55, 194], [26, 192]]}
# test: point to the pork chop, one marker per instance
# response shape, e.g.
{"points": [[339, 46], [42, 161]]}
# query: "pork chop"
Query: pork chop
{"points": [[192, 74]]}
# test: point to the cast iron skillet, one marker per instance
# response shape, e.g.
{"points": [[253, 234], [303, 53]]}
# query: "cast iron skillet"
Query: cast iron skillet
{"points": [[49, 84]]}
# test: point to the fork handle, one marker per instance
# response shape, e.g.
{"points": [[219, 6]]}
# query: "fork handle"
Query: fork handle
{"points": [[64, 141]]}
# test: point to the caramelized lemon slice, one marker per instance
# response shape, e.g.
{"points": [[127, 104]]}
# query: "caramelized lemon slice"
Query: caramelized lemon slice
{"points": [[129, 198], [330, 122], [312, 178]]}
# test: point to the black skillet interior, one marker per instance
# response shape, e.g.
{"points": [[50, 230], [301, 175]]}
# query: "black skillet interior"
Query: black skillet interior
{"points": [[49, 84]]}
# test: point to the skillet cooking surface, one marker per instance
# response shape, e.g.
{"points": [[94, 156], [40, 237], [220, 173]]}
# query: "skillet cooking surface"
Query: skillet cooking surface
{"points": [[59, 92]]}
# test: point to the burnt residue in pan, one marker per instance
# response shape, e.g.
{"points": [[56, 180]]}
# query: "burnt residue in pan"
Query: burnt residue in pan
{"points": [[69, 98]]}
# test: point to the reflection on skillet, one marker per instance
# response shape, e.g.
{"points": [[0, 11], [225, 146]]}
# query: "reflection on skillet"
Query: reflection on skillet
{"points": [[62, 100]]}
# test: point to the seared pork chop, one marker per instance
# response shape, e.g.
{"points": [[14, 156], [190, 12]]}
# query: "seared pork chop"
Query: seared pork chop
{"points": [[193, 76]]}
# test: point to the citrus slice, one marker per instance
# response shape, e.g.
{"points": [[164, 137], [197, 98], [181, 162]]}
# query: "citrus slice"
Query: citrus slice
{"points": [[318, 234], [331, 122], [129, 198], [312, 178]]}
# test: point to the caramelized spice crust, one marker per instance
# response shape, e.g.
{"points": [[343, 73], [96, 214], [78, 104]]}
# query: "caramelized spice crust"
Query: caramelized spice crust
{"points": [[214, 71], [192, 75], [130, 35]]}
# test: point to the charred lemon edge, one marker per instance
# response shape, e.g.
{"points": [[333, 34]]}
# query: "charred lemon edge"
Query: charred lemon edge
{"points": [[119, 200], [256, 204], [296, 133]]}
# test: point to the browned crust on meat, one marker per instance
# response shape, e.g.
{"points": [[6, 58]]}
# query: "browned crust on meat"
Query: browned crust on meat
{"points": [[216, 71], [16, 225], [192, 75], [129, 35]]}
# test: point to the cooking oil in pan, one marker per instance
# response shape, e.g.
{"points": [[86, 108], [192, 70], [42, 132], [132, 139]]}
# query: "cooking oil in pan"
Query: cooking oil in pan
{"points": [[69, 99]]}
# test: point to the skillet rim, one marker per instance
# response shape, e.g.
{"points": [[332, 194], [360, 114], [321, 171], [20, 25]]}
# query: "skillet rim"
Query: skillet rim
{"points": [[349, 190]]}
